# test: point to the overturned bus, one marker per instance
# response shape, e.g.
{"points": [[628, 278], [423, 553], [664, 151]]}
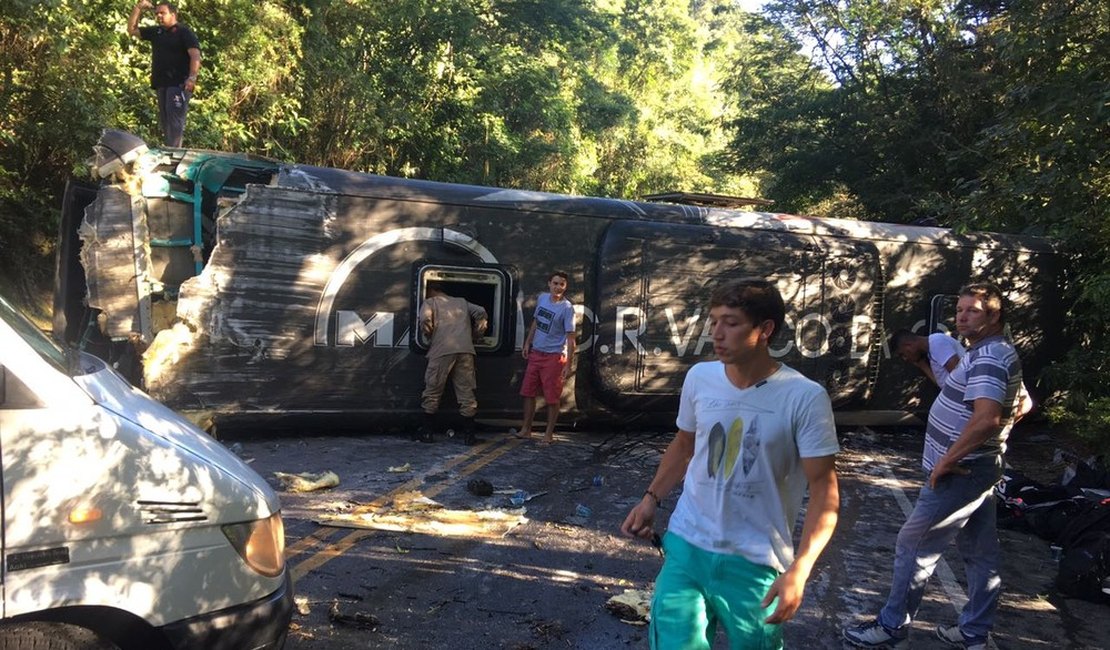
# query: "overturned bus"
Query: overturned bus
{"points": [[238, 286]]}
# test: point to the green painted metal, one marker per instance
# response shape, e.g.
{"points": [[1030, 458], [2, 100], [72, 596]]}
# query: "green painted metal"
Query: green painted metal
{"points": [[210, 172]]}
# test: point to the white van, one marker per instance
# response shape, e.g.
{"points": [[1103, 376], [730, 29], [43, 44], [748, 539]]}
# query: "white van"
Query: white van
{"points": [[124, 526]]}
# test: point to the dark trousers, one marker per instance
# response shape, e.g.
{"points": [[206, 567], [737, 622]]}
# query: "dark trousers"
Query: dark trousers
{"points": [[173, 105]]}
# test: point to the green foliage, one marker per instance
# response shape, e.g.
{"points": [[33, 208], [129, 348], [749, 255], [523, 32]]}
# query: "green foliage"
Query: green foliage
{"points": [[1083, 405], [982, 115], [50, 110], [1045, 172], [248, 98]]}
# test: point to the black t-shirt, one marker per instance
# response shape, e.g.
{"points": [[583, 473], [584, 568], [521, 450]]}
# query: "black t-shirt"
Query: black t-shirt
{"points": [[169, 53]]}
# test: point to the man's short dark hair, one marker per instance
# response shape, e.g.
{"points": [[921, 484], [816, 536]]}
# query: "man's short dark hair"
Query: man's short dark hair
{"points": [[759, 299], [899, 337], [168, 5], [560, 274], [990, 295]]}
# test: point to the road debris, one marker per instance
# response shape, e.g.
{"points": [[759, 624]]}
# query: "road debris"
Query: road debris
{"points": [[632, 607], [479, 487], [425, 516], [520, 497], [301, 603], [400, 469], [549, 631], [362, 620], [307, 481]]}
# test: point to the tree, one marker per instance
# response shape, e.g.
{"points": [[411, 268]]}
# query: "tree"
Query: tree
{"points": [[51, 108], [1043, 170], [980, 114]]}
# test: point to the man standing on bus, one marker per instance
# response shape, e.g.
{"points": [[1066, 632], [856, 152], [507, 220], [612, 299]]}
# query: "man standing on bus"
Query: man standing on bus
{"points": [[753, 434], [549, 348], [175, 62], [964, 441]]}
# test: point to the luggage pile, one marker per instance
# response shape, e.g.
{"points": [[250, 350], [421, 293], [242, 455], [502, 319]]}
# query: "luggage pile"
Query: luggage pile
{"points": [[1074, 516]]}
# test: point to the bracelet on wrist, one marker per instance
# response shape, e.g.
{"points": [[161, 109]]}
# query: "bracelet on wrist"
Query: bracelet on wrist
{"points": [[654, 497]]}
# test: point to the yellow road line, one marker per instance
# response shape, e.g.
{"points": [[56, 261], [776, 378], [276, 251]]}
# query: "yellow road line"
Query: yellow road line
{"points": [[341, 546]]}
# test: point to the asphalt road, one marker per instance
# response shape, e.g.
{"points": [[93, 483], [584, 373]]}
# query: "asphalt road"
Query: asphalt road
{"points": [[544, 583]]}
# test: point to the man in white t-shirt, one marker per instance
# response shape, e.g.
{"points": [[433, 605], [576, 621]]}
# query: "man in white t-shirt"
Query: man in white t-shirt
{"points": [[753, 434], [936, 355]]}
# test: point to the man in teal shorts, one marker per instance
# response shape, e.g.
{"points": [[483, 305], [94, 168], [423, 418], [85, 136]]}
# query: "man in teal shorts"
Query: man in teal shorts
{"points": [[753, 434]]}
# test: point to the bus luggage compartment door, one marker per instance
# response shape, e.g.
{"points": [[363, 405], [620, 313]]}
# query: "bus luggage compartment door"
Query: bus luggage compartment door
{"points": [[653, 287]]}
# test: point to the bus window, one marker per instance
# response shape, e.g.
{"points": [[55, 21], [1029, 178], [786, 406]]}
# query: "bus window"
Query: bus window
{"points": [[489, 286]]}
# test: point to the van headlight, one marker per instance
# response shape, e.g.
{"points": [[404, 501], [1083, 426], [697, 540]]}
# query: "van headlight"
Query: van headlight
{"points": [[260, 543]]}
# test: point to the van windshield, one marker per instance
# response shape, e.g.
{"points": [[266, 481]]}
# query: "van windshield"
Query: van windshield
{"points": [[34, 337]]}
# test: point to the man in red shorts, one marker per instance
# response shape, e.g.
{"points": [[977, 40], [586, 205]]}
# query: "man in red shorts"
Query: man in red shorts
{"points": [[548, 348]]}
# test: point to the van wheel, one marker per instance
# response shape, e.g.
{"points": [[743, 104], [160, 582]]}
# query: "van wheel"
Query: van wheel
{"points": [[50, 636]]}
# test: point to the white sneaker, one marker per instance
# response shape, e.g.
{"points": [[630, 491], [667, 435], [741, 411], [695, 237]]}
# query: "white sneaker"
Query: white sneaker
{"points": [[874, 635], [952, 635]]}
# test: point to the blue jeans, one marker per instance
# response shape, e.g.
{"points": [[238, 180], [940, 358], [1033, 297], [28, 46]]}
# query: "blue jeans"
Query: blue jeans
{"points": [[173, 106], [961, 508]]}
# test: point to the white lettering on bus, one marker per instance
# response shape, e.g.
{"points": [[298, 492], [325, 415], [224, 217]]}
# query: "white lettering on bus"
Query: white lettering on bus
{"points": [[630, 325], [705, 338], [351, 329], [584, 314], [823, 347], [778, 353], [632, 335], [680, 343], [861, 323]]}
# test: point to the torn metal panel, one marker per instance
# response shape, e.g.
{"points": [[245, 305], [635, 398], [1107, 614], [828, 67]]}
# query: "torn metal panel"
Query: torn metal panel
{"points": [[251, 301], [116, 258]]}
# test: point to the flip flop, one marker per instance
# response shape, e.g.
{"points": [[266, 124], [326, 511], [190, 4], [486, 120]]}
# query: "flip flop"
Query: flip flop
{"points": [[521, 436]]}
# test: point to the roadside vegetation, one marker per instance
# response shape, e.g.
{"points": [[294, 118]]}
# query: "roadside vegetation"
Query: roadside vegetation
{"points": [[973, 114]]}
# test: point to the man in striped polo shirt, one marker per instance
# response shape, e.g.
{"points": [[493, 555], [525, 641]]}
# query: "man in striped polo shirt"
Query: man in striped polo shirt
{"points": [[964, 442]]}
